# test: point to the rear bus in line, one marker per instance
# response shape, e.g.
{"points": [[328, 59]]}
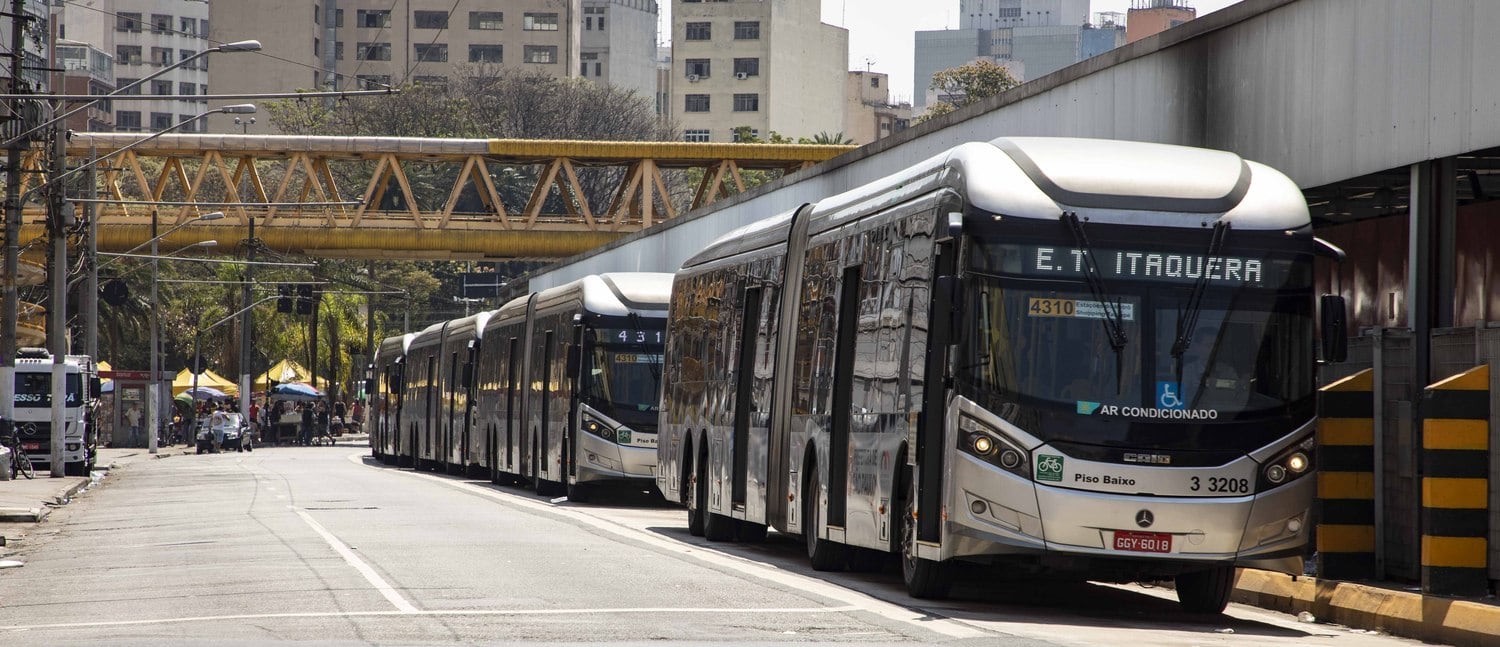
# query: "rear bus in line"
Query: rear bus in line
{"points": [[558, 388], [1055, 356], [383, 417]]}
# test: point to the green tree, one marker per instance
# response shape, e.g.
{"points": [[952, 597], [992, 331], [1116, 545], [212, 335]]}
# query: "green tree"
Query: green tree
{"points": [[966, 85]]}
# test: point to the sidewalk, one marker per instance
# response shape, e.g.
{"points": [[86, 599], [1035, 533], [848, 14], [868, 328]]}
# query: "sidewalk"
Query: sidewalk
{"points": [[31, 500], [1375, 607]]}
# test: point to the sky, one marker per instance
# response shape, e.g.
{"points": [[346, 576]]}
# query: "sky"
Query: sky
{"points": [[881, 31]]}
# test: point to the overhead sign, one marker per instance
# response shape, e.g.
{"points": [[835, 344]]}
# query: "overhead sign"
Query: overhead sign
{"points": [[480, 285]]}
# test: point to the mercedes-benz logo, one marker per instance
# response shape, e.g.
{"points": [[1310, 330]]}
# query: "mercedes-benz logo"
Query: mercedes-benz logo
{"points": [[1144, 518]]}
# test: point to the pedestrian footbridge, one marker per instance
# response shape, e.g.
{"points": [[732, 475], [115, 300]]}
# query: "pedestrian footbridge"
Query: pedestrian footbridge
{"points": [[414, 198]]}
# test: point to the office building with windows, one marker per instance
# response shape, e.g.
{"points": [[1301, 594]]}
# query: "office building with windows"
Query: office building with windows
{"points": [[373, 44], [1032, 38], [145, 36], [767, 66]]}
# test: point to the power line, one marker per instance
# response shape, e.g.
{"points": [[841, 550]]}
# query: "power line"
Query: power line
{"points": [[415, 61], [374, 40]]}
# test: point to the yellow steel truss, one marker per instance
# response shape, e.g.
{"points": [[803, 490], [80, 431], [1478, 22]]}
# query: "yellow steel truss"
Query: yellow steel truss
{"points": [[415, 198]]}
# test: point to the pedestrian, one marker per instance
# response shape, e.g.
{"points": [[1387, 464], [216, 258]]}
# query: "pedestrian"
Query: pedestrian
{"points": [[357, 413], [340, 410], [133, 419], [307, 423], [254, 418], [322, 418]]}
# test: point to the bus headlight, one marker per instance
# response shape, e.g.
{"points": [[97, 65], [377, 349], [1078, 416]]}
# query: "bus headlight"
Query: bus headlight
{"points": [[987, 444], [598, 428], [1291, 464]]}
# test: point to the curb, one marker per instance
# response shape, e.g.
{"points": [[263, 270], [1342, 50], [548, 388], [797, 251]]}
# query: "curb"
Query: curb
{"points": [[24, 515], [1400, 613]]}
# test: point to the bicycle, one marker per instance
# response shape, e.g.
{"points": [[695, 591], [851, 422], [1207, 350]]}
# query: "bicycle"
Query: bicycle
{"points": [[20, 463]]}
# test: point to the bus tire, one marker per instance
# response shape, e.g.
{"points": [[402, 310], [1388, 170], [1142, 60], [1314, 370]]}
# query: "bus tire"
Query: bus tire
{"points": [[925, 579], [750, 532], [1205, 591], [824, 555], [716, 527], [691, 498]]}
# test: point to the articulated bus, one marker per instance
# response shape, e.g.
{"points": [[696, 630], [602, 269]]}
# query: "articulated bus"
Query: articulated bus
{"points": [[387, 383], [1054, 356], [559, 388]]}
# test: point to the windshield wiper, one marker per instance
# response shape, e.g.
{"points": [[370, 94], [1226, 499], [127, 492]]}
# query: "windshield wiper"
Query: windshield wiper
{"points": [[1114, 313], [1187, 317]]}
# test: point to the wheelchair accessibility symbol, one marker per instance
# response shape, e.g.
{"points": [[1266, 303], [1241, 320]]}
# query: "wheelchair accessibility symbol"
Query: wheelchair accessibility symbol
{"points": [[1168, 396]]}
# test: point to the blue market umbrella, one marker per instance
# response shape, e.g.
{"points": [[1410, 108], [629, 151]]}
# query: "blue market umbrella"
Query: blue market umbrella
{"points": [[206, 393], [297, 392]]}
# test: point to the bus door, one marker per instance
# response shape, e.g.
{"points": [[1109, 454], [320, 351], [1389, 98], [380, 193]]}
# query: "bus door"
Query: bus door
{"points": [[468, 391], [546, 374], [843, 396], [512, 403], [930, 446], [574, 372], [743, 400]]}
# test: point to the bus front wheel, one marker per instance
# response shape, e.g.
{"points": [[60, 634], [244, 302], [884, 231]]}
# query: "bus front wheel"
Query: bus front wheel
{"points": [[1205, 591], [824, 555], [925, 579]]}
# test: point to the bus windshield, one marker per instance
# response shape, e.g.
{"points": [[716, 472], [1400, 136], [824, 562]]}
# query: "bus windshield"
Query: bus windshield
{"points": [[622, 371], [1035, 346], [35, 389]]}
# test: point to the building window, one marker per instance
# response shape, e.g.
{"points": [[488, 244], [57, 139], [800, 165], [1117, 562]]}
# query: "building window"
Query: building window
{"points": [[430, 19], [191, 127], [187, 88], [747, 30], [161, 87], [130, 22], [373, 81], [490, 20], [128, 120], [373, 52], [747, 102], [697, 68], [128, 54], [161, 56], [695, 103], [588, 23], [432, 53], [368, 18], [185, 54], [441, 81], [694, 135], [161, 120], [540, 22], [338, 50], [203, 88], [338, 18], [700, 31], [486, 53], [598, 69], [122, 83], [601, 23], [737, 135], [540, 54], [746, 67], [203, 27], [161, 24], [188, 26]]}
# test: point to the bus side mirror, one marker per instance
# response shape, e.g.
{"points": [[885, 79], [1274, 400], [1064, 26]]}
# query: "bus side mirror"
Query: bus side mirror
{"points": [[574, 360], [1335, 328], [96, 388]]}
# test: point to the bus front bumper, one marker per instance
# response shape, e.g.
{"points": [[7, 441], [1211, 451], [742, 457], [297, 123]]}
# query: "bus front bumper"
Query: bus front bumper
{"points": [[601, 460], [993, 512]]}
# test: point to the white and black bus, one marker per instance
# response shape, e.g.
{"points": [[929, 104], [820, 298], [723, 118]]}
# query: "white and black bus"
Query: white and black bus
{"points": [[1054, 355], [559, 388]]}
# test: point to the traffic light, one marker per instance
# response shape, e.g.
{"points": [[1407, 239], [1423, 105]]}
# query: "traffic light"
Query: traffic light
{"points": [[284, 298], [305, 298]]}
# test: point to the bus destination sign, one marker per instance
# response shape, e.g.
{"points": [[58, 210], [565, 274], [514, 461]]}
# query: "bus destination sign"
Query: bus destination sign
{"points": [[1236, 271]]}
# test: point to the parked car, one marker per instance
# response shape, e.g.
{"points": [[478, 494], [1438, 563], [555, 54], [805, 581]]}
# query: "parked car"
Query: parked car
{"points": [[223, 431]]}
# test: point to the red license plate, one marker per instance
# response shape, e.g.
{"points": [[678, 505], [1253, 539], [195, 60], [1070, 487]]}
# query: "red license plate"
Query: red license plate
{"points": [[31, 447], [1143, 542]]}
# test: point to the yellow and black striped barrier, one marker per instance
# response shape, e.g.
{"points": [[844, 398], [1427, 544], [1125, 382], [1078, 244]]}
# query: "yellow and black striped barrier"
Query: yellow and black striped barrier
{"points": [[1455, 484], [1346, 478]]}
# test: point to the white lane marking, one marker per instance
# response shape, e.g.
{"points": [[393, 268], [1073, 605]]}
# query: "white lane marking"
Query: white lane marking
{"points": [[359, 565], [945, 626], [408, 614]]}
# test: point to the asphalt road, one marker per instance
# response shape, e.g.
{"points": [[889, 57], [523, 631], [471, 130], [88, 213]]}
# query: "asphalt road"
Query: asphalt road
{"points": [[325, 546]]}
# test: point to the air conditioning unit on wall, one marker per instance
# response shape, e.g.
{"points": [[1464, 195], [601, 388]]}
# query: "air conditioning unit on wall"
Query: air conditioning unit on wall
{"points": [[693, 78], [741, 75]]}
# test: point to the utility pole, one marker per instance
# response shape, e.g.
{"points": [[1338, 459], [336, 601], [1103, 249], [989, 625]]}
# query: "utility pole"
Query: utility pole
{"points": [[248, 320], [90, 299], [57, 310], [369, 327], [12, 216]]}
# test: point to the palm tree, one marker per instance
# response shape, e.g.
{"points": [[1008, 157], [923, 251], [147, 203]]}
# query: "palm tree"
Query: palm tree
{"points": [[835, 139]]}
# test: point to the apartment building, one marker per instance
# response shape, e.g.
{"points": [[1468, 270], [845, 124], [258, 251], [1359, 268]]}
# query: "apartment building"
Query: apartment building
{"points": [[619, 44], [769, 66], [145, 36], [868, 113], [1151, 17], [1031, 38], [87, 70], [34, 63]]}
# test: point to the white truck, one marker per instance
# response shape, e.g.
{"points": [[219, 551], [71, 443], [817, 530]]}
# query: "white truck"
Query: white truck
{"points": [[33, 409]]}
